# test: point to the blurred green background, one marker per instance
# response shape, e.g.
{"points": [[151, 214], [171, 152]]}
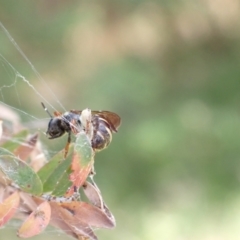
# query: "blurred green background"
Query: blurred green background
{"points": [[171, 70]]}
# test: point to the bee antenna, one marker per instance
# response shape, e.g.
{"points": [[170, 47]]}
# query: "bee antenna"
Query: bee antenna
{"points": [[45, 108]]}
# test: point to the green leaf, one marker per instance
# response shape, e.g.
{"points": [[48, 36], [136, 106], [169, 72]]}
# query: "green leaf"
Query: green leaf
{"points": [[63, 184], [21, 174], [55, 174], [15, 141], [84, 149], [82, 162]]}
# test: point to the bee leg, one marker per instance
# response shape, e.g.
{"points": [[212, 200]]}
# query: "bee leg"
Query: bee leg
{"points": [[67, 145]]}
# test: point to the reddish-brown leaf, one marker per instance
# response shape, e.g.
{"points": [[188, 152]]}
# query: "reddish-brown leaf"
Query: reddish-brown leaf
{"points": [[8, 208], [79, 173], [25, 149], [58, 221], [1, 128], [74, 212], [78, 224], [94, 195], [36, 222]]}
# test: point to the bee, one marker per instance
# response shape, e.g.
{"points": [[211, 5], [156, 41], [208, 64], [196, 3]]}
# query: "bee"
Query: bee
{"points": [[98, 125]]}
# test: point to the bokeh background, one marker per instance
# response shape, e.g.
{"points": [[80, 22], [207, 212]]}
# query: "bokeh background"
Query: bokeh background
{"points": [[171, 70]]}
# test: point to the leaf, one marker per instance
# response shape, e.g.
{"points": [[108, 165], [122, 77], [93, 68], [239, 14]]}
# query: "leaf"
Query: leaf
{"points": [[11, 145], [47, 170], [21, 174], [75, 211], [1, 128], [29, 204], [55, 174], [94, 195], [82, 162], [62, 186], [8, 208], [83, 148], [36, 222], [80, 231], [57, 221], [24, 150]]}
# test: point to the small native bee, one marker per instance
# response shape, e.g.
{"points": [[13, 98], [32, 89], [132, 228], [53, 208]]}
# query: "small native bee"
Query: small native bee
{"points": [[103, 124]]}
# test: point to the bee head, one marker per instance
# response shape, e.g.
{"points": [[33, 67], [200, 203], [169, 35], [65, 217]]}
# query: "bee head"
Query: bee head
{"points": [[55, 128]]}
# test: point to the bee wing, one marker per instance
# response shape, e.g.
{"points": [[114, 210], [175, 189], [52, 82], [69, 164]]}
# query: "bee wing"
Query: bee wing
{"points": [[76, 111], [112, 118]]}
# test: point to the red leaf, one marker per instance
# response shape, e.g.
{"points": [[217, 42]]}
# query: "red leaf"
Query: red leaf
{"points": [[95, 197], [93, 194], [79, 173], [76, 222], [57, 221], [74, 212], [36, 221], [24, 150], [8, 208]]}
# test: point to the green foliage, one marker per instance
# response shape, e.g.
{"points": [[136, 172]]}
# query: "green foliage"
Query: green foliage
{"points": [[83, 148], [55, 174], [21, 174], [10, 146], [54, 177]]}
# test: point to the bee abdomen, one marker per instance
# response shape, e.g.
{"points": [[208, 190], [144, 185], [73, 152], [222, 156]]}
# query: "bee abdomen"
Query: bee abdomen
{"points": [[102, 136]]}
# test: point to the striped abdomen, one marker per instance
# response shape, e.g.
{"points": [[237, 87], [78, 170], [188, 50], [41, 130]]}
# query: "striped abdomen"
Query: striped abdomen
{"points": [[102, 134]]}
